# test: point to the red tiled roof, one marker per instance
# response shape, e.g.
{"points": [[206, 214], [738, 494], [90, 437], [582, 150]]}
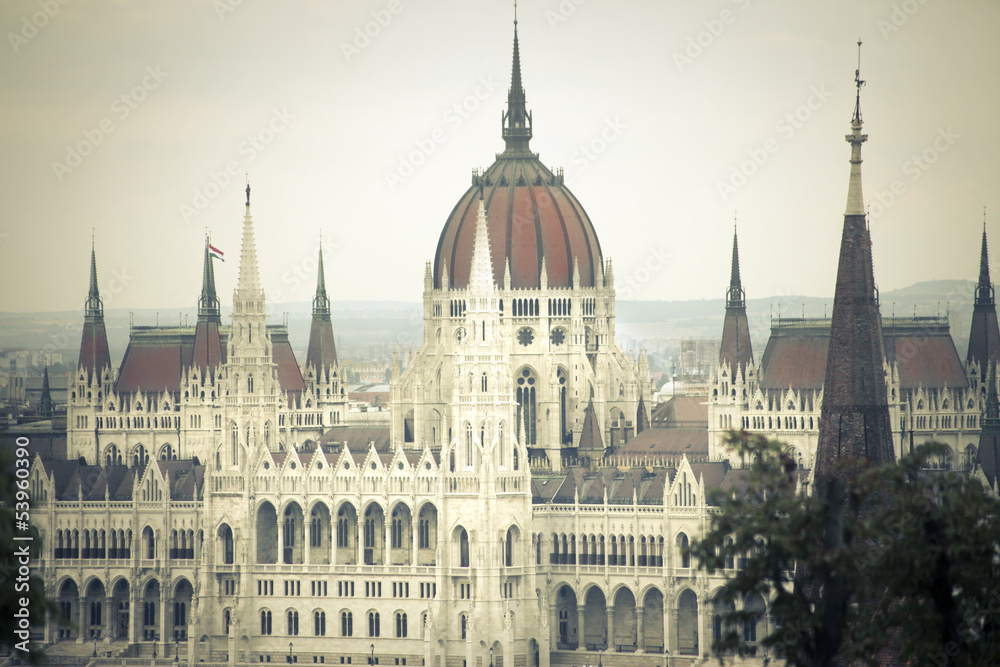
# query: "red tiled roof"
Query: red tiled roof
{"points": [[796, 353], [540, 218], [669, 442], [681, 411]]}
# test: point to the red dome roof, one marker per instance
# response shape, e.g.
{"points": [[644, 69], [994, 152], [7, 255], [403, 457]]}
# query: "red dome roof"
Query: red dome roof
{"points": [[531, 216]]}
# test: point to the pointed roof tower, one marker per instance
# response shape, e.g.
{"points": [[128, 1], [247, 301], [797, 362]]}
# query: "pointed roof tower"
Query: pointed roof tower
{"points": [[590, 435], [322, 352], [45, 403], [208, 350], [989, 436], [854, 422], [481, 272], [94, 353], [516, 121], [984, 335], [248, 287], [641, 418], [736, 349]]}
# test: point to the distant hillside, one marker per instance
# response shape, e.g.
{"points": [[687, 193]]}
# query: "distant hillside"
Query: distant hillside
{"points": [[400, 322]]}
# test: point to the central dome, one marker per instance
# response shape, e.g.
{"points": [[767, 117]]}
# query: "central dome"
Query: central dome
{"points": [[532, 216]]}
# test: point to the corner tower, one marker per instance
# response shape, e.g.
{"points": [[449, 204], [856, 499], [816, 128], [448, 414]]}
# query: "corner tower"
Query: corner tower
{"points": [[95, 357], [984, 334]]}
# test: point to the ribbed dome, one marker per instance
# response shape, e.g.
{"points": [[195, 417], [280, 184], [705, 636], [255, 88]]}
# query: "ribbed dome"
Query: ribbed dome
{"points": [[532, 215]]}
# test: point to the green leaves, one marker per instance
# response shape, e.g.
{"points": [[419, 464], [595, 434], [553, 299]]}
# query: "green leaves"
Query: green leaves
{"points": [[875, 558]]}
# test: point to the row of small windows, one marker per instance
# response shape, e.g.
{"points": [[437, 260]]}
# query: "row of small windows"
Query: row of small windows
{"points": [[319, 623]]}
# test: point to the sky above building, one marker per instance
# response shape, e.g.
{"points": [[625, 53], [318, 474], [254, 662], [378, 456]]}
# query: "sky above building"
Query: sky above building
{"points": [[363, 120]]}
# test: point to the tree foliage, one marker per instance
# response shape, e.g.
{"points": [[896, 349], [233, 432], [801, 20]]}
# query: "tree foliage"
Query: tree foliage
{"points": [[877, 562]]}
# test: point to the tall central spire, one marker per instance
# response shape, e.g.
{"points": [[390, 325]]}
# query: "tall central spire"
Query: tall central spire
{"points": [[984, 290], [854, 422], [94, 353], [855, 197], [516, 121]]}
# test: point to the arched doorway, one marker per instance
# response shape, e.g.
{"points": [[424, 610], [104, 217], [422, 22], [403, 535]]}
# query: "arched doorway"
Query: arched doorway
{"points": [[267, 534], [120, 606], [566, 609], [293, 534], [374, 535], [595, 620], [652, 626], [626, 637], [69, 596], [687, 623], [347, 535], [319, 534]]}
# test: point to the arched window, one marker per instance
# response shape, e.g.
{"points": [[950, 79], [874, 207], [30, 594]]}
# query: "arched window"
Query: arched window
{"points": [[234, 435], [374, 629], [682, 548], [346, 624], [400, 624], [315, 529], [465, 624], [319, 623], [396, 534], [463, 549], [343, 528], [468, 445], [265, 622], [293, 623], [508, 548], [227, 619], [526, 405]]}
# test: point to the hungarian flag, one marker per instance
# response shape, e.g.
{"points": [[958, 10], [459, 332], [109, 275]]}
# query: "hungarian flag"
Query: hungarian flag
{"points": [[215, 252]]}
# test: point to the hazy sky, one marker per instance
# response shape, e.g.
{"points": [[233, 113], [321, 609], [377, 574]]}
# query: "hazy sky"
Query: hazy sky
{"points": [[122, 117]]}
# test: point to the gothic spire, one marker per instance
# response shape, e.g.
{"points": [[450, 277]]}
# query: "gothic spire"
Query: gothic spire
{"points": [[208, 302], [984, 290], [854, 422], [735, 297], [855, 197], [322, 351], [45, 403], [94, 306], [321, 302], [736, 349], [248, 286], [516, 121], [481, 273], [207, 351], [94, 353], [984, 334]]}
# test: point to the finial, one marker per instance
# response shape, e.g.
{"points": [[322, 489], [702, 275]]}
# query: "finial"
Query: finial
{"points": [[480, 192], [984, 219], [734, 221], [515, 12], [248, 189], [858, 82]]}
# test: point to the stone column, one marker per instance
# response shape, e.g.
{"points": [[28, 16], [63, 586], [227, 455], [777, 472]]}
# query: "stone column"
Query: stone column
{"points": [[675, 646], [580, 627], [611, 629], [359, 538], [554, 625], [414, 538], [701, 626], [133, 607], [666, 625], [307, 544], [281, 540], [82, 619], [109, 619], [640, 630], [164, 610], [387, 536]]}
